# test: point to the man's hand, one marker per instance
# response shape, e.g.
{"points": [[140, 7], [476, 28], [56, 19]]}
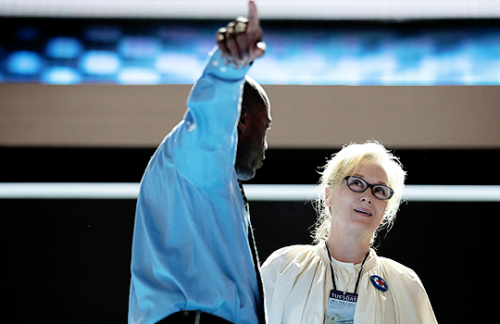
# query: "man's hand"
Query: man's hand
{"points": [[241, 40]]}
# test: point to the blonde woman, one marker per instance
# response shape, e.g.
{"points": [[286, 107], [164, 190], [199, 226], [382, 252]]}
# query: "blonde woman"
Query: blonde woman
{"points": [[341, 279]]}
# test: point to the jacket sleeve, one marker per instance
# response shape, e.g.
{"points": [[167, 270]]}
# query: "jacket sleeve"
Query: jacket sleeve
{"points": [[203, 145]]}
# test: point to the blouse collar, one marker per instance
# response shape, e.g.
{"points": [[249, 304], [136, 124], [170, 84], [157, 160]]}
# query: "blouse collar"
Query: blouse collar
{"points": [[370, 261]]}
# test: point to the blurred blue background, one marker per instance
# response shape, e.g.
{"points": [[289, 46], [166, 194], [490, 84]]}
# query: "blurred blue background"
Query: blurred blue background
{"points": [[152, 51]]}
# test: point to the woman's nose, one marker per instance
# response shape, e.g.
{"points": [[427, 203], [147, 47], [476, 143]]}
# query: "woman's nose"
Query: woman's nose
{"points": [[366, 197]]}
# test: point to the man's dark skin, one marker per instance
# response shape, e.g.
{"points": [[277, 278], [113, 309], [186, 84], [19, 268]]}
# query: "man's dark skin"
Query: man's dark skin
{"points": [[255, 121]]}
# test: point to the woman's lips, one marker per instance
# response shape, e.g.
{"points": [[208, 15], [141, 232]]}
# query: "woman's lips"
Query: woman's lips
{"points": [[363, 211]]}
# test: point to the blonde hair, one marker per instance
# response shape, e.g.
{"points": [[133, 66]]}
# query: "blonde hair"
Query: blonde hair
{"points": [[343, 164]]}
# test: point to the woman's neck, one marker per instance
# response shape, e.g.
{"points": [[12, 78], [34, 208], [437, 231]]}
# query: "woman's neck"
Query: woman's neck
{"points": [[348, 249]]}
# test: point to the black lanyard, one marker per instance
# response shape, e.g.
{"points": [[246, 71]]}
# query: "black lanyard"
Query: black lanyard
{"points": [[359, 272]]}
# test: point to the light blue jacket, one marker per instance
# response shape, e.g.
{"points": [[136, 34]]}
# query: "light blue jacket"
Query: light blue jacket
{"points": [[190, 248]]}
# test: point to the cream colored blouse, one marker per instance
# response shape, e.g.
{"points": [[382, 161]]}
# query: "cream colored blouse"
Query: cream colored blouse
{"points": [[297, 282]]}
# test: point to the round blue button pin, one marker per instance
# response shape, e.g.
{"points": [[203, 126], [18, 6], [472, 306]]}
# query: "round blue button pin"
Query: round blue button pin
{"points": [[379, 283]]}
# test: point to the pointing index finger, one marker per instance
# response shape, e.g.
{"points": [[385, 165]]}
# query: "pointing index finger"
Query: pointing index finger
{"points": [[253, 17]]}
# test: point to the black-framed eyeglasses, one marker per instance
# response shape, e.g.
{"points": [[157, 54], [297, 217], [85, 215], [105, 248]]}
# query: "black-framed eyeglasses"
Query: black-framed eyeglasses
{"points": [[358, 184]]}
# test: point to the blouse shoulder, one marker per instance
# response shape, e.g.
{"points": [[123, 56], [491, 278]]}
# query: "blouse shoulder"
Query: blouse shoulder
{"points": [[290, 252], [398, 270], [413, 303], [297, 257]]}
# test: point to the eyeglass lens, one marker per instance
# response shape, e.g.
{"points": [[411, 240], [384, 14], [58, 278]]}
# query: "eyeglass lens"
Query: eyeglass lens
{"points": [[359, 185]]}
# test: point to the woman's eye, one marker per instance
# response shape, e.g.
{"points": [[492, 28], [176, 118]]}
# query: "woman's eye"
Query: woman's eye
{"points": [[382, 191], [357, 182]]}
